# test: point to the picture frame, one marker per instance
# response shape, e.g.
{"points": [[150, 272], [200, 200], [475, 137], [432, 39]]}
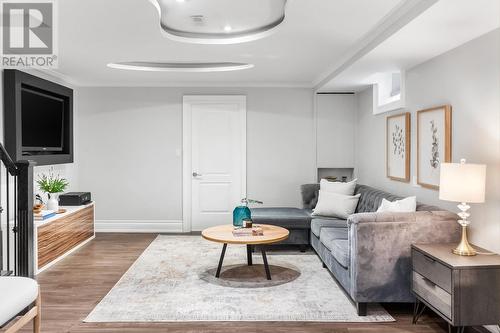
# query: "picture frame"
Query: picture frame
{"points": [[398, 147], [433, 144]]}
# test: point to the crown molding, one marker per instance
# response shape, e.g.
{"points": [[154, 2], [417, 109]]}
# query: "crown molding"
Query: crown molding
{"points": [[58, 76]]}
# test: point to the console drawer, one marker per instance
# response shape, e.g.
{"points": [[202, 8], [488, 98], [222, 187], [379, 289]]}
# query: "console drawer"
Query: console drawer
{"points": [[433, 294], [432, 270], [60, 236]]}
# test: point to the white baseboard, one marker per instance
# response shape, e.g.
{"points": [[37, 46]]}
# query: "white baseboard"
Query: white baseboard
{"points": [[143, 226]]}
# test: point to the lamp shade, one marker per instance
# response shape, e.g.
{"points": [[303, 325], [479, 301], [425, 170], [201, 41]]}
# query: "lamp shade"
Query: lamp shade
{"points": [[461, 182]]}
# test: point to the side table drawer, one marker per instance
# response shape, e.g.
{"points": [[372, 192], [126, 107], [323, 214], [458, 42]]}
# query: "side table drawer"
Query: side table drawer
{"points": [[432, 270], [433, 294]]}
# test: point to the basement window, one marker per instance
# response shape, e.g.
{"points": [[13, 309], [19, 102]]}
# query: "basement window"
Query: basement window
{"points": [[388, 92]]}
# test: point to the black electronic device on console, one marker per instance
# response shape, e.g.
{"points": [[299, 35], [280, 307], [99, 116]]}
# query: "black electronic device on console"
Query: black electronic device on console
{"points": [[75, 199]]}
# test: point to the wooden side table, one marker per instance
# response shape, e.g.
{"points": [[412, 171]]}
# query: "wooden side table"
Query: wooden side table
{"points": [[464, 291]]}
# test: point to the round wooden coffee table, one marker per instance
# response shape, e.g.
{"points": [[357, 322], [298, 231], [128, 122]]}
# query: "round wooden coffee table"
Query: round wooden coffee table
{"points": [[224, 234]]}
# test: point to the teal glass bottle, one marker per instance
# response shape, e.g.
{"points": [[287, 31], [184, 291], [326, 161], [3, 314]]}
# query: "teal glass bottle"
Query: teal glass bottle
{"points": [[241, 213]]}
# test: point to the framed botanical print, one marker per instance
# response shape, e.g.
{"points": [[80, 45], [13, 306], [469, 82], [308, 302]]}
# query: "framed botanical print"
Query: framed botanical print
{"points": [[433, 144], [398, 147]]}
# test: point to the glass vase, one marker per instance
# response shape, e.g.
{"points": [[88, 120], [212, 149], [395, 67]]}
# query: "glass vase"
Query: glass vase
{"points": [[240, 213]]}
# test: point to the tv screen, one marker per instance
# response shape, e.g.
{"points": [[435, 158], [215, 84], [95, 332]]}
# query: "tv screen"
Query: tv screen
{"points": [[42, 117]]}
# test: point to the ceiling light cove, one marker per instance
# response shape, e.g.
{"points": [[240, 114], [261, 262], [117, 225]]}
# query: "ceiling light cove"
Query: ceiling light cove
{"points": [[219, 21], [193, 67]]}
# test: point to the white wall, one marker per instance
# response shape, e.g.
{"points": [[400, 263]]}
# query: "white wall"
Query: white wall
{"points": [[129, 139], [468, 79]]}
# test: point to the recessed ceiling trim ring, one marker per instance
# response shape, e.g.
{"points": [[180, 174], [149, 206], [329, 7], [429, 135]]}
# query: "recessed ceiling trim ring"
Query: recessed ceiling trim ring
{"points": [[221, 38], [193, 67], [219, 21]]}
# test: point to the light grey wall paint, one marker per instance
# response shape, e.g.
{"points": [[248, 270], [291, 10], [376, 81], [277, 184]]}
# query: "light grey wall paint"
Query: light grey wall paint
{"points": [[130, 139], [335, 130], [468, 79]]}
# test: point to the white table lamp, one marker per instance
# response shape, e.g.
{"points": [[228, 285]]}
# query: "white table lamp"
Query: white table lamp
{"points": [[463, 183]]}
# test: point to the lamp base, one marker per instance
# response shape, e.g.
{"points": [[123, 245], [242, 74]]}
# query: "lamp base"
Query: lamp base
{"points": [[464, 248]]}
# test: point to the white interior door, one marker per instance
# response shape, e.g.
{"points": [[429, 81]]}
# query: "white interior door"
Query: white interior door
{"points": [[214, 159]]}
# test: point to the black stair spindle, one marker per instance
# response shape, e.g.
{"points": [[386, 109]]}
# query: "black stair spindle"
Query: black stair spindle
{"points": [[7, 218], [14, 230], [1, 231]]}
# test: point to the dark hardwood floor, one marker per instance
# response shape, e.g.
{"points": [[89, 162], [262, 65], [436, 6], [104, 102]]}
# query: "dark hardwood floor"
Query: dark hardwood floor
{"points": [[72, 288]]}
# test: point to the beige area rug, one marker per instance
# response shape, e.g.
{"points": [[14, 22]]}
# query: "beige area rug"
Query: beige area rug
{"points": [[173, 281]]}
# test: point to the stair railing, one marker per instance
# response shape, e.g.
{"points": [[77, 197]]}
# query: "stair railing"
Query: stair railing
{"points": [[16, 217]]}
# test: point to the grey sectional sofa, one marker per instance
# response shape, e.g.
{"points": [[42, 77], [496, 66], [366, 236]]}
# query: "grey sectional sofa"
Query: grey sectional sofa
{"points": [[369, 253], [296, 220]]}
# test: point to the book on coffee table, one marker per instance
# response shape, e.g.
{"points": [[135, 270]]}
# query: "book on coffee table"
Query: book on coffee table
{"points": [[254, 231]]}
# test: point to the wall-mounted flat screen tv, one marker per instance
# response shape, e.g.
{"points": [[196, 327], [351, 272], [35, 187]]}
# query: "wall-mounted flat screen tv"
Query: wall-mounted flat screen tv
{"points": [[38, 119], [42, 118]]}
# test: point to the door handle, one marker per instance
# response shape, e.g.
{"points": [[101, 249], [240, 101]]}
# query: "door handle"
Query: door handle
{"points": [[196, 174]]}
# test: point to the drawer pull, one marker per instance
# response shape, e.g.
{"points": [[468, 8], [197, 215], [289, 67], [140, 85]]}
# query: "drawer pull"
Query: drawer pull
{"points": [[429, 259], [427, 281]]}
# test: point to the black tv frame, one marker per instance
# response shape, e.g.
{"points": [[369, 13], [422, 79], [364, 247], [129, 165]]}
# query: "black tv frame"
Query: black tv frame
{"points": [[13, 80]]}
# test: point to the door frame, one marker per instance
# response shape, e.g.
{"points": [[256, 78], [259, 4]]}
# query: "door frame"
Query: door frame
{"points": [[187, 178]]}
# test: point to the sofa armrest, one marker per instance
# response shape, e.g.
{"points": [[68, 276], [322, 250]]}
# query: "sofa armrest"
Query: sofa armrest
{"points": [[418, 216], [309, 193], [380, 249]]}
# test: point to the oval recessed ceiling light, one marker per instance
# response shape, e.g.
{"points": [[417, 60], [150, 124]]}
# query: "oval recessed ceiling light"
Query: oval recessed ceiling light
{"points": [[194, 67], [219, 21]]}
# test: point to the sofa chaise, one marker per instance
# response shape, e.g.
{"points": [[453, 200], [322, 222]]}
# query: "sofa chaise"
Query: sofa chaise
{"points": [[296, 220], [369, 253]]}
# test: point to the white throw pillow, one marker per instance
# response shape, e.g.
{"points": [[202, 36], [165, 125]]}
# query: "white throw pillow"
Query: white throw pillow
{"points": [[338, 187], [335, 204], [407, 205]]}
